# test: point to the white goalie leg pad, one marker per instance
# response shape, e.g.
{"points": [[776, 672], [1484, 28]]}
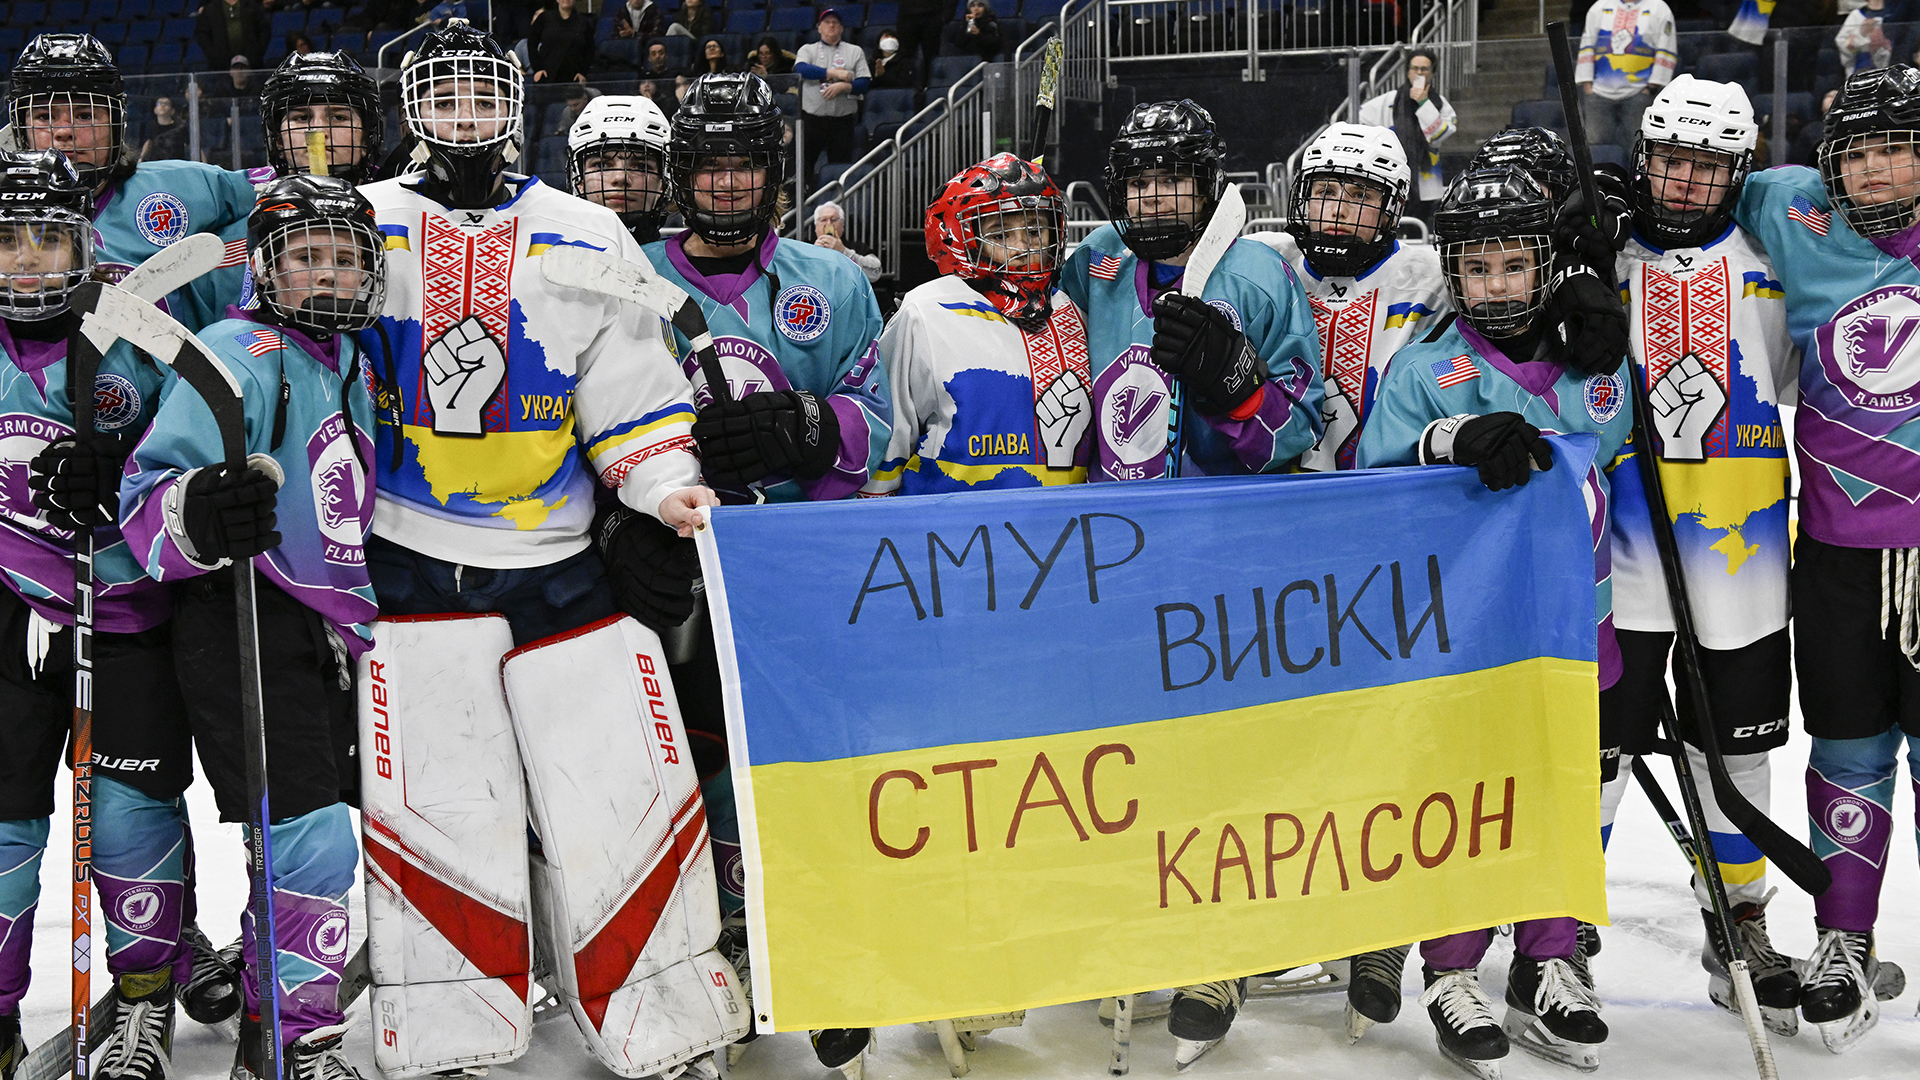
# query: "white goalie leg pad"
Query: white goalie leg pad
{"points": [[625, 878], [443, 804]]}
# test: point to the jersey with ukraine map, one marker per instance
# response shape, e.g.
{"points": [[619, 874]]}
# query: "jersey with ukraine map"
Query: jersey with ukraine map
{"points": [[1454, 371], [162, 203], [499, 389], [1627, 48], [980, 403], [1363, 321], [1709, 332], [1254, 287], [1853, 309], [801, 318]]}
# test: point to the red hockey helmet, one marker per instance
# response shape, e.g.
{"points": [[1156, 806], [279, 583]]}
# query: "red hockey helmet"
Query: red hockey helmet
{"points": [[1000, 225]]}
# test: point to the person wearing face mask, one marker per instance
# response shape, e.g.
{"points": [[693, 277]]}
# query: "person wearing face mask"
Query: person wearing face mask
{"points": [[891, 71]]}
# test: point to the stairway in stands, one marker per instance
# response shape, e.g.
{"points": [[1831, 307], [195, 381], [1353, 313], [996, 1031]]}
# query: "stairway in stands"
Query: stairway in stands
{"points": [[1512, 67]]}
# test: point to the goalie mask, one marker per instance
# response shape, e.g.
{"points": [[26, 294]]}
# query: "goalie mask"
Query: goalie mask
{"points": [[1164, 177], [731, 119], [319, 258], [617, 157], [1694, 150], [1868, 151], [330, 93], [1347, 199], [462, 96], [46, 234], [67, 95], [1493, 226], [1538, 152], [998, 225]]}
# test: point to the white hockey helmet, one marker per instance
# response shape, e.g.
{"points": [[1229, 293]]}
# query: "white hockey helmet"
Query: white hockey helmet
{"points": [[1713, 119], [617, 157], [1329, 227]]}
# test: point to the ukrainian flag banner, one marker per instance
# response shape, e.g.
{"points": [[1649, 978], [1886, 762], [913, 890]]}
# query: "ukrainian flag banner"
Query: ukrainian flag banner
{"points": [[1009, 749]]}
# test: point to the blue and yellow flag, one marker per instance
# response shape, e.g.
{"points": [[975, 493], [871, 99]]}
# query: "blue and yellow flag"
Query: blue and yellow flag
{"points": [[1001, 750]]}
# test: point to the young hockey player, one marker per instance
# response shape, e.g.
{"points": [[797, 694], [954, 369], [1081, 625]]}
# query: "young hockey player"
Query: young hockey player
{"points": [[1709, 335], [63, 480], [1841, 239], [988, 364], [330, 93], [617, 157], [1479, 390], [320, 273]]}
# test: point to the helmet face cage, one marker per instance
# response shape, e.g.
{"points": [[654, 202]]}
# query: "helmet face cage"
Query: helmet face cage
{"points": [[46, 252], [1873, 179], [1162, 204], [626, 176], [1498, 284], [694, 173], [1705, 181], [1014, 245], [325, 276], [466, 104], [89, 127], [1344, 220]]}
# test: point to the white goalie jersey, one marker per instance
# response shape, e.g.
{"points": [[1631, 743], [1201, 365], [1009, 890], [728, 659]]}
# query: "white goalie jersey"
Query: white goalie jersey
{"points": [[1363, 321]]}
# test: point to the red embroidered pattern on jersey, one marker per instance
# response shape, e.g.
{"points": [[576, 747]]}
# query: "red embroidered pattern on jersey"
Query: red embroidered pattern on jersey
{"points": [[1688, 314], [466, 272], [1060, 345], [1346, 343]]}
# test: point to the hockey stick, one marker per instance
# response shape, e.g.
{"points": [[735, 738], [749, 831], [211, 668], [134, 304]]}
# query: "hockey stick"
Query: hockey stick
{"points": [[83, 366], [1724, 791], [175, 266], [1676, 825], [1043, 98], [1229, 217], [53, 1059]]}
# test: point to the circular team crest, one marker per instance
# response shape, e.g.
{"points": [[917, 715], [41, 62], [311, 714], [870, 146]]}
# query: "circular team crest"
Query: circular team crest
{"points": [[1868, 350], [329, 939], [1226, 309], [139, 908], [162, 218], [1848, 819], [1605, 394], [802, 313], [341, 497], [1133, 410], [116, 401]]}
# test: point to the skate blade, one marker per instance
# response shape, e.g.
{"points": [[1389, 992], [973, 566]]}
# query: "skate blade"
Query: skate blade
{"points": [[1188, 1051], [1331, 977], [1845, 1033], [1485, 1069], [1783, 1022], [981, 1025], [1530, 1035], [1357, 1025], [855, 1069]]}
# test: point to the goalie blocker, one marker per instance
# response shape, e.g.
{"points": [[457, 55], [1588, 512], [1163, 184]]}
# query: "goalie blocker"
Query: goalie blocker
{"points": [[455, 898]]}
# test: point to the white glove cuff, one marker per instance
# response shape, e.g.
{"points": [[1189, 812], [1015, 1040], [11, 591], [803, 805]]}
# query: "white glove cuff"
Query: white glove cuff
{"points": [[1436, 442]]}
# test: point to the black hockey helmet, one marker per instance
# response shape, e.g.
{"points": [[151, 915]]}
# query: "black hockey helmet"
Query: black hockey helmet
{"points": [[461, 97], [1179, 138], [46, 233], [323, 78], [1540, 152], [1874, 108], [57, 72], [311, 240], [1487, 219], [726, 115]]}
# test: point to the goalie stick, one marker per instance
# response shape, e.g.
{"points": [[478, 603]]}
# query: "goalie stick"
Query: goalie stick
{"points": [[1229, 217], [1043, 98], [1735, 805]]}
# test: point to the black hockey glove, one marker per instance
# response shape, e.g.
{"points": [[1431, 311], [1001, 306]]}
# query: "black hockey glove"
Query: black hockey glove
{"points": [[226, 516], [1595, 237], [1589, 319], [76, 484], [773, 431], [650, 567], [1195, 342], [1503, 445]]}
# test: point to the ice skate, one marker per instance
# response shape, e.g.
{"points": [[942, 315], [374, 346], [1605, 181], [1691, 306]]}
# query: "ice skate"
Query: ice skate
{"points": [[1775, 984], [1834, 994], [1462, 1015], [138, 1044], [1330, 977], [212, 992], [13, 1049], [317, 1055], [1373, 996], [1551, 1013], [1586, 948], [733, 946], [1200, 1016], [960, 1035], [843, 1048]]}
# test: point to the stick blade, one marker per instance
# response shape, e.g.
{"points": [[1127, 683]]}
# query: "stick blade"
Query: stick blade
{"points": [[1229, 217], [175, 266], [608, 275]]}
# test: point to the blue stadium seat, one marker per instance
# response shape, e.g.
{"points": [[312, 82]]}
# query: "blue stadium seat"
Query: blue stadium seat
{"points": [[100, 12], [111, 34], [745, 21], [679, 50], [1740, 67], [884, 106], [788, 39], [67, 13], [169, 9], [167, 56], [1545, 113], [135, 9], [831, 172], [12, 40], [796, 19], [289, 22], [177, 30], [948, 69], [30, 13], [1040, 10], [132, 60], [1013, 31], [196, 60], [1006, 9], [883, 13], [147, 30], [618, 53]]}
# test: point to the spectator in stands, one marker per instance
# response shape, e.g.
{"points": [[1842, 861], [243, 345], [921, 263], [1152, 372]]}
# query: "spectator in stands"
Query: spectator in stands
{"points": [[299, 44], [920, 28], [829, 223], [577, 99], [890, 69], [168, 136], [979, 35], [232, 28], [712, 59], [1626, 56], [770, 59], [560, 44], [237, 84], [642, 20], [835, 72], [695, 20], [1871, 36], [656, 66], [1421, 119], [1806, 144]]}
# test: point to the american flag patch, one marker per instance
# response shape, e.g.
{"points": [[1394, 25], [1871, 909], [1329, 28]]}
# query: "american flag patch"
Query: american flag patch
{"points": [[1807, 214], [1106, 267], [1455, 371], [259, 342], [235, 254]]}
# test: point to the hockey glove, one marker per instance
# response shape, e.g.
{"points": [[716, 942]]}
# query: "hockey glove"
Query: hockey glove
{"points": [[1197, 343], [790, 432], [76, 484], [650, 567], [228, 516], [1595, 237], [1503, 445], [1590, 320]]}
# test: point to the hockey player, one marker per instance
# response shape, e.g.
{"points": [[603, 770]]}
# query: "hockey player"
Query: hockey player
{"points": [[1709, 336], [330, 93], [320, 273], [617, 157], [1479, 390], [1841, 239], [972, 353]]}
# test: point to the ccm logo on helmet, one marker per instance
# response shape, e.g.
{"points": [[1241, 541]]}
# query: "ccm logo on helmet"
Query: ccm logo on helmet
{"points": [[1693, 120], [656, 706]]}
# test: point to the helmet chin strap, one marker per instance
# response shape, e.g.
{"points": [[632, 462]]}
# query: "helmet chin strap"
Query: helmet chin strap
{"points": [[462, 183]]}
